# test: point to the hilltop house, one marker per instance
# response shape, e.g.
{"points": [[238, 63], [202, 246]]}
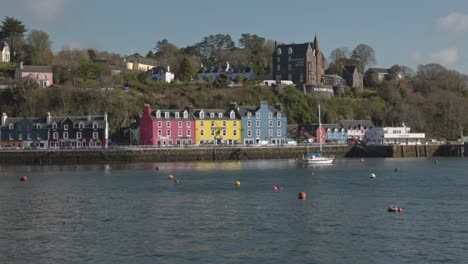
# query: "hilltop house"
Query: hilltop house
{"points": [[303, 64], [54, 132], [161, 74], [136, 62], [41, 74], [353, 76], [226, 72], [4, 52], [385, 74]]}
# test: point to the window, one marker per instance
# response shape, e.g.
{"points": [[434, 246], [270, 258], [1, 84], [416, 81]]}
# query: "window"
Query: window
{"points": [[11, 126], [95, 135], [168, 132], [234, 123], [177, 115], [95, 125], [279, 123], [220, 115], [257, 123], [290, 51], [158, 114], [270, 123], [54, 126], [65, 127], [78, 135], [249, 123], [278, 132], [20, 136], [212, 115], [232, 115], [249, 114], [38, 126], [65, 135], [310, 66], [289, 67], [202, 123], [37, 75], [55, 135], [270, 115], [224, 123], [278, 115], [188, 124], [278, 51], [278, 67], [224, 132], [270, 132], [28, 136], [10, 136], [159, 132], [310, 77], [234, 132], [212, 132], [249, 132], [212, 123], [289, 76], [166, 114], [81, 125], [179, 124], [189, 133], [179, 132], [257, 115], [168, 123], [159, 124], [185, 114], [202, 115], [38, 136], [202, 132], [257, 133]]}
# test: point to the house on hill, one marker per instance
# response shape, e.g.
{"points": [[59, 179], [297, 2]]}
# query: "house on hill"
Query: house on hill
{"points": [[43, 75], [136, 62], [226, 72], [161, 74], [4, 52], [385, 74], [353, 76]]}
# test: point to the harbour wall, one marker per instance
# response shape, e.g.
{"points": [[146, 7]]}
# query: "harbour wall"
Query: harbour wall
{"points": [[135, 154]]}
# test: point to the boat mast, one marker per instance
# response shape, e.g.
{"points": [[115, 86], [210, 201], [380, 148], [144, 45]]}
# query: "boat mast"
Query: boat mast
{"points": [[320, 129]]}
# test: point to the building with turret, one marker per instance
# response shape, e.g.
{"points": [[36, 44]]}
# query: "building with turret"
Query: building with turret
{"points": [[303, 64]]}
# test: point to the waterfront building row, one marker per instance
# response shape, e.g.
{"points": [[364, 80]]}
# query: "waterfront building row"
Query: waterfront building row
{"points": [[261, 124], [54, 132]]}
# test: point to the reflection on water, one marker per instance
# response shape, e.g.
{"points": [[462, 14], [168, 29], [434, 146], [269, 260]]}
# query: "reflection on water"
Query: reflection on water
{"points": [[132, 213]]}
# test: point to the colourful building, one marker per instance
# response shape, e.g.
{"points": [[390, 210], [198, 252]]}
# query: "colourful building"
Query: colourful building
{"points": [[166, 127], [263, 124], [217, 126], [43, 75]]}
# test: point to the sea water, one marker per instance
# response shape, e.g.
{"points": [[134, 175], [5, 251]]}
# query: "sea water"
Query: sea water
{"points": [[133, 213]]}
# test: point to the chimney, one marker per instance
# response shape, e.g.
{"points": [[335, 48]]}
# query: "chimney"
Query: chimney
{"points": [[168, 68], [147, 109], [279, 107], [21, 65], [4, 117], [48, 117], [89, 117]]}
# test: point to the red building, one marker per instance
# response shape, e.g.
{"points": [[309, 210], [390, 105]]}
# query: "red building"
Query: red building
{"points": [[167, 127]]}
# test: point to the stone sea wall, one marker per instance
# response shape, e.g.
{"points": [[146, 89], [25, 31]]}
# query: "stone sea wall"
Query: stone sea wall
{"points": [[43, 157]]}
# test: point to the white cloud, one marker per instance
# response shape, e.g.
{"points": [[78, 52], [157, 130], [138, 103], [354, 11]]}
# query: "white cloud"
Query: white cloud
{"points": [[454, 23], [446, 57], [45, 10]]}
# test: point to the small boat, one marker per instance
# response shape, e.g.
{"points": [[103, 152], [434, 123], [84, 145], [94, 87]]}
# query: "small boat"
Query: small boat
{"points": [[318, 157]]}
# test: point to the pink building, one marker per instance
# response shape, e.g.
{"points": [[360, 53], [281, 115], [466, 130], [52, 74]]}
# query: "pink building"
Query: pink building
{"points": [[41, 74], [167, 127]]}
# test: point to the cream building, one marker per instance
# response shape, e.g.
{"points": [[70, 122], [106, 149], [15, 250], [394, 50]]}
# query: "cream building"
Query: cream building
{"points": [[4, 52]]}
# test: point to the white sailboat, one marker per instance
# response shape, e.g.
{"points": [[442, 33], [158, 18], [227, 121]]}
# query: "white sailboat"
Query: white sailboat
{"points": [[318, 157]]}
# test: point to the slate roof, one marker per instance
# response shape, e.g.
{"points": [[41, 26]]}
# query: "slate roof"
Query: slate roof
{"points": [[378, 70], [347, 124], [3, 44], [196, 114], [86, 120], [36, 68], [172, 115]]}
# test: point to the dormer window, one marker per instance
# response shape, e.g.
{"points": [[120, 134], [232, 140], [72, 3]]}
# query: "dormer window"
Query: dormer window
{"points": [[158, 114], [278, 51], [290, 51], [278, 115], [81, 125], [220, 115], [166, 114], [177, 115], [185, 114], [202, 115], [38, 126], [54, 126], [249, 114], [232, 115], [257, 115], [212, 115], [65, 127]]}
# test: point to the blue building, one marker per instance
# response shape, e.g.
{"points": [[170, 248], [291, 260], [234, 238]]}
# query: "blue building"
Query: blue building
{"points": [[335, 133], [263, 124]]}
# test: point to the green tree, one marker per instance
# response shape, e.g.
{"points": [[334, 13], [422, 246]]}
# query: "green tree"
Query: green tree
{"points": [[186, 71], [38, 48], [12, 31]]}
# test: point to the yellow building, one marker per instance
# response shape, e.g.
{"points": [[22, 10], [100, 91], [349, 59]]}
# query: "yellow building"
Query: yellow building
{"points": [[217, 126], [136, 62]]}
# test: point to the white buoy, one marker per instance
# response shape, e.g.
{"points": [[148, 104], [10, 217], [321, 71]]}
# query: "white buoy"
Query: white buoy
{"points": [[372, 176]]}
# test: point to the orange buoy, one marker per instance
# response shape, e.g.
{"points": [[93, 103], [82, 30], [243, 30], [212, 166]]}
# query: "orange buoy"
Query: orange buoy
{"points": [[171, 177], [302, 196], [23, 178]]}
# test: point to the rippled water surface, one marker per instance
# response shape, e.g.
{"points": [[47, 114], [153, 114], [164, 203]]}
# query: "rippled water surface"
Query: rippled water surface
{"points": [[132, 213]]}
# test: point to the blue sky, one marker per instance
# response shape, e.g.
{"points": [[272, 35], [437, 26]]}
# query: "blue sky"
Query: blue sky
{"points": [[400, 31]]}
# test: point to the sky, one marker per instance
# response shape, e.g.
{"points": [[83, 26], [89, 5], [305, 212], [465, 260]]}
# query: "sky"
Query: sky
{"points": [[401, 32]]}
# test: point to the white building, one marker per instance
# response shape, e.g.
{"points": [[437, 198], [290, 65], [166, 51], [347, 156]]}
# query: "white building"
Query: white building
{"points": [[4, 52], [227, 72], [393, 135], [161, 74]]}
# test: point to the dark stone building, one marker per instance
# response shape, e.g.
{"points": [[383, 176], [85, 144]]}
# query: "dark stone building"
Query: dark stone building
{"points": [[303, 64]]}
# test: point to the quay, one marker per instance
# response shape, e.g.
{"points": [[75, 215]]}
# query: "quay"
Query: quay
{"points": [[177, 154]]}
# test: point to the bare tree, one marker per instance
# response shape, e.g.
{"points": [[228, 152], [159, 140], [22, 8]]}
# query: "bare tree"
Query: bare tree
{"points": [[365, 55], [338, 54]]}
